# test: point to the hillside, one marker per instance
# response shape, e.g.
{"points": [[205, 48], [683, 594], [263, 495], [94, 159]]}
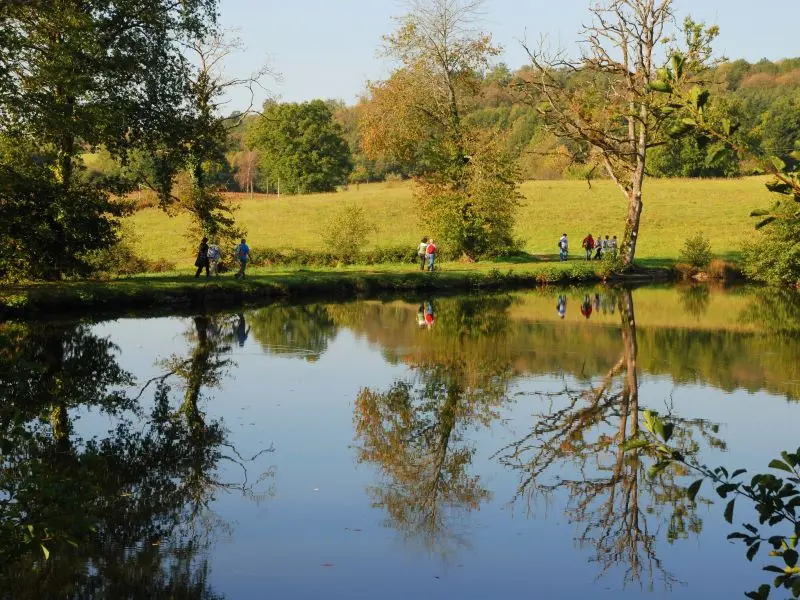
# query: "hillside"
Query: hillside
{"points": [[674, 209]]}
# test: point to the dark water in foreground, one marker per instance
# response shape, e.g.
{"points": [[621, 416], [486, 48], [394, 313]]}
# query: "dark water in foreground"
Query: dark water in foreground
{"points": [[442, 448]]}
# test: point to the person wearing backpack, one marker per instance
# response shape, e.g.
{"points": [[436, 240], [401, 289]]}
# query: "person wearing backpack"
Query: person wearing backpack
{"points": [[430, 254], [201, 262], [563, 247], [422, 250], [588, 245], [213, 257], [242, 253]]}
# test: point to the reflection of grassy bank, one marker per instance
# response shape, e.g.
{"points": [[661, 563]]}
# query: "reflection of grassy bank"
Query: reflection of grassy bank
{"points": [[181, 290], [729, 356]]}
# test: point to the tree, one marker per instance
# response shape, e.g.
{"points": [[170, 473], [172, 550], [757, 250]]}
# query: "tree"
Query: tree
{"points": [[466, 184], [302, 147], [246, 163], [605, 99], [774, 258], [79, 75]]}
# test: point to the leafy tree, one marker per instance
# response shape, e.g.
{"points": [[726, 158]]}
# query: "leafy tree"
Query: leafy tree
{"points": [[75, 75], [466, 182], [607, 101], [302, 147], [773, 258]]}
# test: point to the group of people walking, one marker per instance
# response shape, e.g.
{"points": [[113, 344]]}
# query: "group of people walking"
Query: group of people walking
{"points": [[209, 256], [427, 252], [595, 248]]}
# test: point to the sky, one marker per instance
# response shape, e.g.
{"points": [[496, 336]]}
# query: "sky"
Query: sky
{"points": [[331, 48]]}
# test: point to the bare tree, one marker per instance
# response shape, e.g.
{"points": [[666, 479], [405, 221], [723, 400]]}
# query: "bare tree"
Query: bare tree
{"points": [[605, 99]]}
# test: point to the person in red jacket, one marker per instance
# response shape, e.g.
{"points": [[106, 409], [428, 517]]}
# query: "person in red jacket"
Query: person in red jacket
{"points": [[588, 245]]}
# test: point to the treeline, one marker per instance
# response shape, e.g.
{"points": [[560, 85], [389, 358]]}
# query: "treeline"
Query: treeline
{"points": [[317, 146]]}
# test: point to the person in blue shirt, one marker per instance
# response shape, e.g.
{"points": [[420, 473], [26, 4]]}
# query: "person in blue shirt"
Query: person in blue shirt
{"points": [[242, 253]]}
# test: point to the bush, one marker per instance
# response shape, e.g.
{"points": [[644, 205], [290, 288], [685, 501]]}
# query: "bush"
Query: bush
{"points": [[121, 259], [347, 232], [610, 266], [775, 257], [697, 251]]}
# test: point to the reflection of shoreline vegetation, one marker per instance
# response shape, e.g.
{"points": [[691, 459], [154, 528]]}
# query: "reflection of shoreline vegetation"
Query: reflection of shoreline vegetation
{"points": [[615, 496], [415, 432], [110, 516]]}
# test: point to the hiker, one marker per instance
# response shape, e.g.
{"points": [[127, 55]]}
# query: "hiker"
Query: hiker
{"points": [[598, 247], [242, 253], [430, 253], [613, 246], [563, 246], [588, 245], [213, 257], [606, 246], [422, 250], [202, 258]]}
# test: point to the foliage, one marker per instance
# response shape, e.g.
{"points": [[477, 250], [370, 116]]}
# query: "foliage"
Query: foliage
{"points": [[774, 256], [608, 102], [113, 75], [348, 232], [697, 250], [774, 498], [466, 181], [610, 265], [302, 147]]}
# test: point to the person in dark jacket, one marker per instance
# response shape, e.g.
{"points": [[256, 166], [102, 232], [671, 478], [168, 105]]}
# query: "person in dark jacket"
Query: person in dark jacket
{"points": [[202, 258]]}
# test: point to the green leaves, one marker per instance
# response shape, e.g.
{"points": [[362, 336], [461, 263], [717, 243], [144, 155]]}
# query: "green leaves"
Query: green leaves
{"points": [[729, 511], [778, 464], [692, 490]]}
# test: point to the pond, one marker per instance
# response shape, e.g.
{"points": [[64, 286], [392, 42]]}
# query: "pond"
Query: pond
{"points": [[464, 447]]}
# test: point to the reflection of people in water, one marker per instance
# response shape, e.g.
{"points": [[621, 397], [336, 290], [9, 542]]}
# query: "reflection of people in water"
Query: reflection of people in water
{"points": [[597, 302], [561, 307], [240, 330], [421, 315], [430, 317], [586, 307]]}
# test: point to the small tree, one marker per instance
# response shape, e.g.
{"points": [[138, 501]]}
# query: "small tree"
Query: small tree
{"points": [[697, 250], [348, 231], [466, 184]]}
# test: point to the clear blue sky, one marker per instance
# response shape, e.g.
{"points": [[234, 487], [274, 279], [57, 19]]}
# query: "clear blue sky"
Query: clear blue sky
{"points": [[329, 48]]}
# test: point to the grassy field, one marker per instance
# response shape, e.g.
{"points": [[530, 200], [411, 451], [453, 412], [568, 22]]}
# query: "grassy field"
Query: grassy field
{"points": [[673, 210]]}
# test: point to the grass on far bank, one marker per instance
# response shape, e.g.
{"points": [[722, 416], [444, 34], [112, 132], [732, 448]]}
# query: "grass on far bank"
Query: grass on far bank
{"points": [[674, 209]]}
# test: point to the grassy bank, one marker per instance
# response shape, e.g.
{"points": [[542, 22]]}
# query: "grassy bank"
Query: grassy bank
{"points": [[674, 209], [180, 290]]}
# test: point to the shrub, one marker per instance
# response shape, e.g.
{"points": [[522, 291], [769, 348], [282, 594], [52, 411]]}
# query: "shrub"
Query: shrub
{"points": [[775, 257], [347, 232], [697, 250], [610, 266], [121, 258], [723, 270]]}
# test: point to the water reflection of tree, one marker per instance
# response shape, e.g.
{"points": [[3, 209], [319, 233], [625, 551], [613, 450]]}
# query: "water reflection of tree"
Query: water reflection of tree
{"points": [[696, 299], [293, 330], [620, 506], [415, 432], [121, 515]]}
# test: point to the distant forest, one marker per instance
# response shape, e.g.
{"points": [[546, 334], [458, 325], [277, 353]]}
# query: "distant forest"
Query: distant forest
{"points": [[316, 146]]}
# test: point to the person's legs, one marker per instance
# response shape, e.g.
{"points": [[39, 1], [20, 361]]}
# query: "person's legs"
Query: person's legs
{"points": [[197, 273], [430, 262], [422, 262], [207, 265]]}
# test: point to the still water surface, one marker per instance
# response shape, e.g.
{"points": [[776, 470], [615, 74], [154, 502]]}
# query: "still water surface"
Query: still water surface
{"points": [[437, 448]]}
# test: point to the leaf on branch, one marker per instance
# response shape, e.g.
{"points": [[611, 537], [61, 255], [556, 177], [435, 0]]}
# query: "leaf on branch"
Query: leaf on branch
{"points": [[729, 511], [691, 492], [779, 464]]}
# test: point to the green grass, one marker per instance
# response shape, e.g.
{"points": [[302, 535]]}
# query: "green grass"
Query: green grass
{"points": [[673, 210]]}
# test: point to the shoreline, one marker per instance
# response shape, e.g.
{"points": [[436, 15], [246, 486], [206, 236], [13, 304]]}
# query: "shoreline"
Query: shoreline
{"points": [[184, 292]]}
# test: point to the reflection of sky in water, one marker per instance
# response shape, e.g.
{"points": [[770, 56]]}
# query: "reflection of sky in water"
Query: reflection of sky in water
{"points": [[320, 514]]}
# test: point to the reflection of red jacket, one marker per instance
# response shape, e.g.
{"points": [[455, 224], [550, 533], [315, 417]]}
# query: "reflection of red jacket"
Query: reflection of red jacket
{"points": [[586, 310], [588, 242]]}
